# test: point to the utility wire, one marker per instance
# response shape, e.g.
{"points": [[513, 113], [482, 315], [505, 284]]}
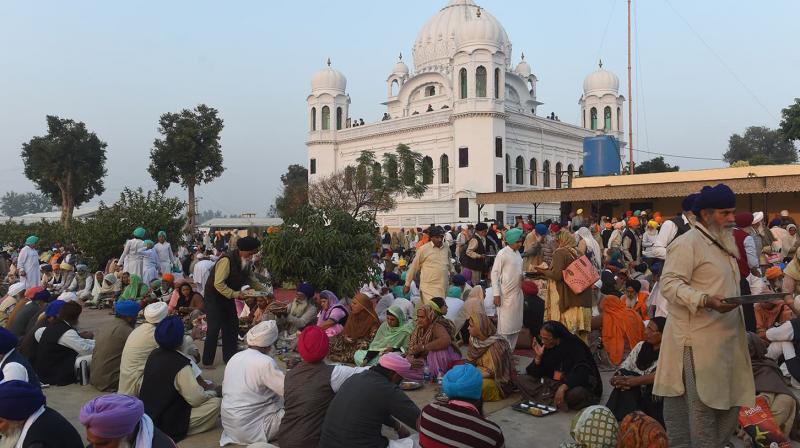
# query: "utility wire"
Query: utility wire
{"points": [[605, 31], [677, 156]]}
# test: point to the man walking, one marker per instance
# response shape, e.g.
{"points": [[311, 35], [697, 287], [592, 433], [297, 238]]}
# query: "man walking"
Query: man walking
{"points": [[474, 258], [28, 263], [704, 371], [432, 261], [507, 287]]}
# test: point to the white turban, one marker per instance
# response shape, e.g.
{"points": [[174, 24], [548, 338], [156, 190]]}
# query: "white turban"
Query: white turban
{"points": [[263, 335], [758, 217], [155, 312], [68, 296], [16, 288]]}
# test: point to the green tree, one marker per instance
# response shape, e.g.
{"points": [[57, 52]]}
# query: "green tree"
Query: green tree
{"points": [[655, 165], [18, 204], [331, 249], [790, 124], [295, 191], [188, 153], [67, 164], [760, 146]]}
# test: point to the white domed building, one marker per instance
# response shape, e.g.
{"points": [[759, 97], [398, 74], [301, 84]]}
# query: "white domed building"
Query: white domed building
{"points": [[470, 112]]}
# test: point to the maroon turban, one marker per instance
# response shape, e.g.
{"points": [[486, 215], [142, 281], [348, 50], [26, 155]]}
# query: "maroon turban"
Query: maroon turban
{"points": [[312, 344]]}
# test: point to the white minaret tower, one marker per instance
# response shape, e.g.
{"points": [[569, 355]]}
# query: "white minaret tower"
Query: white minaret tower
{"points": [[328, 106], [601, 103]]}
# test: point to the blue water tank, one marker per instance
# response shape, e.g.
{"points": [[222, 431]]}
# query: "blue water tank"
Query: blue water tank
{"points": [[601, 156]]}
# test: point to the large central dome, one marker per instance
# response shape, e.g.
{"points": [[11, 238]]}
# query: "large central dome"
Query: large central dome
{"points": [[441, 36]]}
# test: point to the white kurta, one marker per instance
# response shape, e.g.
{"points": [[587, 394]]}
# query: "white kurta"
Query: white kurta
{"points": [[132, 257], [252, 398], [150, 266], [507, 280], [165, 256], [28, 262]]}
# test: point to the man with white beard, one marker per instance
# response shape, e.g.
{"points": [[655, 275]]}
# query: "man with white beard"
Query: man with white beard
{"points": [[119, 420], [25, 421], [704, 371]]}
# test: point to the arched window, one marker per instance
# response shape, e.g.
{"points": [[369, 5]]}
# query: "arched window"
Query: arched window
{"points": [[480, 82], [313, 118], [593, 117], [546, 174], [497, 83], [444, 169], [430, 91], [520, 166], [462, 80], [395, 87], [619, 118], [534, 172], [508, 169], [569, 175], [607, 118], [326, 118], [558, 174], [427, 170], [338, 118]]}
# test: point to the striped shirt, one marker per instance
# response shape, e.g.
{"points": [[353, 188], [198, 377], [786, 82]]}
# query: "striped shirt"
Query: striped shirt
{"points": [[457, 424]]}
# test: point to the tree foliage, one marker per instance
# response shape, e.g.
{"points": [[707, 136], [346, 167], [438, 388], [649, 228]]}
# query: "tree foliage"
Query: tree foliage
{"points": [[67, 164], [760, 146], [331, 249], [655, 165], [189, 152], [18, 204], [295, 191], [370, 187], [790, 124]]}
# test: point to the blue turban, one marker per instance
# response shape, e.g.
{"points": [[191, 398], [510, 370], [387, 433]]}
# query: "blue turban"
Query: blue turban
{"points": [[454, 291], [688, 202], [43, 295], [31, 240], [162, 233], [513, 235], [392, 277], [126, 308], [463, 381], [53, 308], [139, 232], [306, 289], [7, 341], [169, 332], [541, 229], [718, 197], [19, 400], [459, 280]]}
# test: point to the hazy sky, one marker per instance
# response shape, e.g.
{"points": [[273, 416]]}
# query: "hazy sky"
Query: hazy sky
{"points": [[118, 66]]}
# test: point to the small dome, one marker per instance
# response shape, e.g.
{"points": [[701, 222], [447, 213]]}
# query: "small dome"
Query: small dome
{"points": [[400, 68], [523, 69], [328, 79], [601, 79]]}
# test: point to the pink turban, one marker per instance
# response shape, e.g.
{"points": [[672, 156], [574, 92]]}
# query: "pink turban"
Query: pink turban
{"points": [[395, 362], [312, 344], [112, 416]]}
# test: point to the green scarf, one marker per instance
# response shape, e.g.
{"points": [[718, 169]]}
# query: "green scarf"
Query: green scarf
{"points": [[395, 337], [133, 290]]}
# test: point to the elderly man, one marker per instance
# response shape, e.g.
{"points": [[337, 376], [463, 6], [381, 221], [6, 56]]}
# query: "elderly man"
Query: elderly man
{"points": [[172, 397], [474, 258], [631, 243], [704, 371], [365, 402], [507, 287], [119, 421], [16, 293], [252, 401], [309, 389], [28, 263], [432, 261], [62, 351], [231, 272], [14, 366], [111, 340], [138, 347], [82, 283], [25, 421]]}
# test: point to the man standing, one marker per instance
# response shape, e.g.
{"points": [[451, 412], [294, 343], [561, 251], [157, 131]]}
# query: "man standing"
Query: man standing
{"points": [[432, 261], [132, 257], [119, 420], [631, 244], [166, 258], [230, 273], [26, 422], [28, 263], [109, 344], [704, 371], [507, 287], [474, 258], [673, 228]]}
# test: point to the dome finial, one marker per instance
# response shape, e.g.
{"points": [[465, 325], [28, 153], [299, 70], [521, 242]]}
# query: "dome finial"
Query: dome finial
{"points": [[479, 12], [523, 55], [329, 62], [401, 56], [600, 63]]}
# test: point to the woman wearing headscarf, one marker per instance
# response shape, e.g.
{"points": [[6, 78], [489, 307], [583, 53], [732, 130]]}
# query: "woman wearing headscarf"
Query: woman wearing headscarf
{"points": [[392, 336], [571, 309], [615, 240], [588, 246], [491, 354], [431, 344], [358, 332], [135, 289], [639, 430], [473, 305], [771, 386], [332, 314], [563, 372], [622, 327], [595, 427], [633, 381]]}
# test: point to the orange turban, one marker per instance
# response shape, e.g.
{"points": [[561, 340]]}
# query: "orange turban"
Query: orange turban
{"points": [[633, 221], [773, 273], [168, 277]]}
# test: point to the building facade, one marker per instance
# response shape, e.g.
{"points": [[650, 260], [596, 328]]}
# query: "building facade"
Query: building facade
{"points": [[471, 113]]}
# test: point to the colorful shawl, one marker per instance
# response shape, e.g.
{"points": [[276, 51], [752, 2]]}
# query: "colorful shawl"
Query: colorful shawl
{"points": [[394, 337], [496, 345], [360, 324], [638, 430], [134, 290], [620, 324]]}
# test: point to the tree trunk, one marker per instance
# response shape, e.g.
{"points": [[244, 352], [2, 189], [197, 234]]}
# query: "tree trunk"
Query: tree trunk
{"points": [[191, 212], [67, 208]]}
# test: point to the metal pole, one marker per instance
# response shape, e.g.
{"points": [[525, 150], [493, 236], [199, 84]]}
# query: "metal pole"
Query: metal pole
{"points": [[630, 96]]}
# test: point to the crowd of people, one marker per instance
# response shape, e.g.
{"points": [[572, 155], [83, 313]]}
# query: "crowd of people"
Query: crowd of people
{"points": [[642, 295]]}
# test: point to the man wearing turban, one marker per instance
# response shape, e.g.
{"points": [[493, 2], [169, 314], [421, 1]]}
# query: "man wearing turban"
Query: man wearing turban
{"points": [[309, 389], [132, 257], [704, 371], [673, 228], [28, 263], [16, 293], [171, 394], [62, 351], [631, 244], [119, 421], [507, 287], [26, 422], [230, 273], [433, 264], [111, 340], [138, 346], [252, 406], [14, 366], [166, 256]]}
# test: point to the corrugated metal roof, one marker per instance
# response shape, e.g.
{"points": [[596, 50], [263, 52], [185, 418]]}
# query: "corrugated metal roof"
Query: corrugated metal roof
{"points": [[241, 223], [78, 213]]}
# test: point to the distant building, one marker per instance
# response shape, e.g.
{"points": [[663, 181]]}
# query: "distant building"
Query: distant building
{"points": [[54, 216]]}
